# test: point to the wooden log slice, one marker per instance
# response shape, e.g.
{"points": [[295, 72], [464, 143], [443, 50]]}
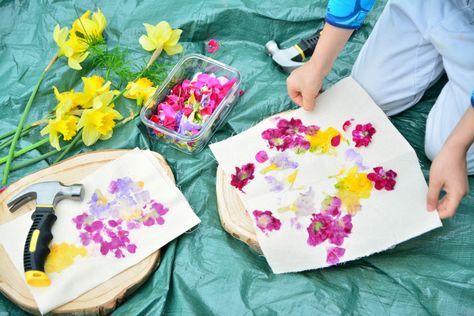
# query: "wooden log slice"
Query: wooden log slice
{"points": [[108, 295]]}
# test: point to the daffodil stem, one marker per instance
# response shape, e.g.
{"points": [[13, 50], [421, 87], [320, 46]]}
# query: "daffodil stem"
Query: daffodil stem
{"points": [[34, 160], [153, 57], [19, 129], [69, 146], [26, 130], [25, 150]]}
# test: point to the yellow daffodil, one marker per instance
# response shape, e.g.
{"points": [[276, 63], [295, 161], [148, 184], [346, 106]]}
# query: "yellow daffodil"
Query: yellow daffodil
{"points": [[161, 36], [90, 29], [79, 47], [140, 90], [99, 121], [68, 101], [93, 86], [351, 188], [63, 124]]}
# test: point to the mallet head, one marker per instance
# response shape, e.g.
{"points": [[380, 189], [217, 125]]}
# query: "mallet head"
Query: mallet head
{"points": [[46, 193]]}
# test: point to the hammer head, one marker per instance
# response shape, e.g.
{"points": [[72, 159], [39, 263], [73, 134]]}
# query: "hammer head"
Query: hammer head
{"points": [[283, 57], [49, 192]]}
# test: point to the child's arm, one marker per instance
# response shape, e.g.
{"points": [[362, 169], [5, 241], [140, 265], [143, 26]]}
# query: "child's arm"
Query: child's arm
{"points": [[449, 171], [342, 18], [305, 82]]}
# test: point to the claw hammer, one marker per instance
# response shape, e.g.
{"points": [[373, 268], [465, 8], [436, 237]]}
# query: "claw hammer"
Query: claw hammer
{"points": [[47, 195], [295, 56]]}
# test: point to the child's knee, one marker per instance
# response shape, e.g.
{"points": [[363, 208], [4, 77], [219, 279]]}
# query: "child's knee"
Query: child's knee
{"points": [[432, 146]]}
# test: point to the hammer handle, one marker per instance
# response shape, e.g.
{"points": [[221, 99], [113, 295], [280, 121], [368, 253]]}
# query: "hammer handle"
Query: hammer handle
{"points": [[37, 245]]}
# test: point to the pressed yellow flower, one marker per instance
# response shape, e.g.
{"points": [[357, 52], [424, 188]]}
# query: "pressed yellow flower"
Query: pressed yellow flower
{"points": [[321, 141], [63, 124], [68, 100], [90, 29], [140, 90], [99, 121], [161, 36], [93, 86], [352, 187]]}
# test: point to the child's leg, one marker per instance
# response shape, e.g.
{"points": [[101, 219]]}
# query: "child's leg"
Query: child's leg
{"points": [[398, 63], [454, 40]]}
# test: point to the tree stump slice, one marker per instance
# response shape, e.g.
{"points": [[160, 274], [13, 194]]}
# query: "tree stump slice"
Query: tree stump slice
{"points": [[107, 296], [234, 217]]}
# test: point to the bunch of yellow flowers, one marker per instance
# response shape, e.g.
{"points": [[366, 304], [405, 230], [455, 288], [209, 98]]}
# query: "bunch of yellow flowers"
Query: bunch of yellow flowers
{"points": [[74, 43], [91, 110]]}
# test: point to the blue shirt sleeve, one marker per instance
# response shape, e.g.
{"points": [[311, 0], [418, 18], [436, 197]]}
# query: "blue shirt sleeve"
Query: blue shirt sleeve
{"points": [[348, 14], [472, 98]]}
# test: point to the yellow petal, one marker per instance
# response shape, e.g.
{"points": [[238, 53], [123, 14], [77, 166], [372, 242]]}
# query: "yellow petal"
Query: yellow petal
{"points": [[174, 38], [172, 50], [90, 136], [163, 32], [73, 63], [146, 43]]}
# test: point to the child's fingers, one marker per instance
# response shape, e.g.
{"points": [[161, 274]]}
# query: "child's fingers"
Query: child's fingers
{"points": [[294, 93], [309, 99], [448, 205], [434, 189]]}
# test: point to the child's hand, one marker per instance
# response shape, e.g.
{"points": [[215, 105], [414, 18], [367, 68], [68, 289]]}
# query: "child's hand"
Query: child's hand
{"points": [[448, 172], [304, 85]]}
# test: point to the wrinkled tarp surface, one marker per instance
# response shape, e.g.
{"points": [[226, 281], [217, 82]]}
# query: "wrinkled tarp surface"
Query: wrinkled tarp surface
{"points": [[207, 271]]}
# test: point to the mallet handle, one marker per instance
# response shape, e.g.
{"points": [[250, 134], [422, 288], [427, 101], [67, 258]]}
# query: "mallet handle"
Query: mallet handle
{"points": [[37, 245]]}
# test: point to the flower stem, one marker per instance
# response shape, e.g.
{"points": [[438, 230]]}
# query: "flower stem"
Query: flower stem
{"points": [[69, 146], [19, 128], [153, 57], [8, 142], [34, 160], [25, 150]]}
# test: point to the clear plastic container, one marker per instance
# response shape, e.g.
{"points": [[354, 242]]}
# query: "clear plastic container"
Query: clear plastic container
{"points": [[185, 69]]}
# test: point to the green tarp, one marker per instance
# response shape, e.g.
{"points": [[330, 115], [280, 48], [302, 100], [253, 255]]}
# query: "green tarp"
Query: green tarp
{"points": [[207, 271]]}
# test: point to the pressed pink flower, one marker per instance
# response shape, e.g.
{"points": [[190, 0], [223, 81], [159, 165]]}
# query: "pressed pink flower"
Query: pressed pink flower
{"points": [[242, 176], [261, 156], [383, 179], [323, 227], [362, 134], [291, 127], [212, 46], [266, 222], [331, 205], [336, 140], [334, 254], [311, 130], [340, 229], [347, 124]]}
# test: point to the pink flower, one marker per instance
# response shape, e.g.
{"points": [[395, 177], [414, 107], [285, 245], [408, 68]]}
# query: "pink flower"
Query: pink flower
{"points": [[333, 255], [362, 134], [242, 176], [336, 140], [311, 130], [383, 179], [261, 156], [323, 227], [291, 127], [241, 92], [347, 124], [331, 205], [212, 46], [266, 222]]}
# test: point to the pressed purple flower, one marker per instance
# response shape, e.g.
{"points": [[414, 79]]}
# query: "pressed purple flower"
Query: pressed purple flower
{"points": [[275, 185], [242, 176], [383, 179], [362, 134], [265, 221]]}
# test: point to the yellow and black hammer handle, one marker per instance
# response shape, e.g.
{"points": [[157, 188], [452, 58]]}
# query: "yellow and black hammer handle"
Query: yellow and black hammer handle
{"points": [[37, 245]]}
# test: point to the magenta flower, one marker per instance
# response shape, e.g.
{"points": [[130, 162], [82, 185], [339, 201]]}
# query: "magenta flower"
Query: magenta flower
{"points": [[266, 222], [324, 227], [362, 134], [261, 156], [291, 127], [334, 254], [212, 46], [331, 205], [336, 140], [311, 130], [347, 124], [242, 176], [383, 179]]}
